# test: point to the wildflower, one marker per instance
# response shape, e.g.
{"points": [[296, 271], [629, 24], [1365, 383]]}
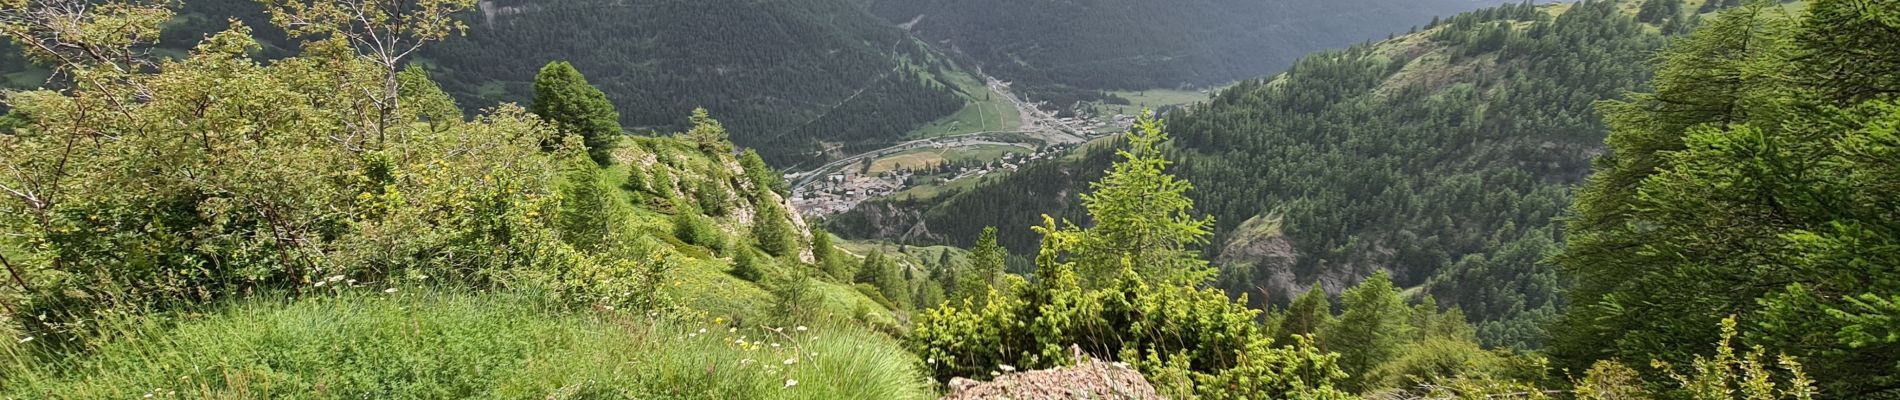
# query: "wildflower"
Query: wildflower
{"points": [[801, 328], [790, 361], [789, 383], [740, 342], [931, 361], [775, 345], [719, 321], [702, 331], [732, 330], [389, 290]]}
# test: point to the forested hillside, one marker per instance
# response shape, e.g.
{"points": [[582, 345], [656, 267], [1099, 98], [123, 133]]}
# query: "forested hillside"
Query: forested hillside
{"points": [[1064, 51], [790, 78], [793, 78], [1441, 156]]}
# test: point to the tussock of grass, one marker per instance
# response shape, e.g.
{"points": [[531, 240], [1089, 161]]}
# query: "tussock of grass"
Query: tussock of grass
{"points": [[426, 345]]}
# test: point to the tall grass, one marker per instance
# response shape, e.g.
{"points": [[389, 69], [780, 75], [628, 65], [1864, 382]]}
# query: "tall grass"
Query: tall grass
{"points": [[433, 345]]}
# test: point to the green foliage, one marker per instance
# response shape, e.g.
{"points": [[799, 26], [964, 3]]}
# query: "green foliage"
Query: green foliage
{"points": [[763, 177], [1141, 216], [415, 343], [985, 270], [708, 133], [1193, 340], [564, 98], [227, 176], [1610, 380], [747, 266], [1747, 183], [772, 230], [1311, 313], [698, 230], [1369, 332], [591, 217], [1745, 375]]}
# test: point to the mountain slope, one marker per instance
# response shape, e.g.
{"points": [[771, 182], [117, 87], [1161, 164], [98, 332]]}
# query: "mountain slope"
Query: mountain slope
{"points": [[1063, 49], [784, 75], [791, 78], [1441, 156]]}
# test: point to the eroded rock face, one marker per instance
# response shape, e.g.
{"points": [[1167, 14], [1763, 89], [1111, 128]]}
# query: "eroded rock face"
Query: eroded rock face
{"points": [[1090, 379]]}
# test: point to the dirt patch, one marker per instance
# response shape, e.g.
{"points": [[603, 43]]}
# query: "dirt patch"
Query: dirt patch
{"points": [[1090, 379]]}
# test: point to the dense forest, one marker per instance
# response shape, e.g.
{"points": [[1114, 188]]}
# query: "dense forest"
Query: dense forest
{"points": [[793, 78], [789, 77], [1067, 51]]}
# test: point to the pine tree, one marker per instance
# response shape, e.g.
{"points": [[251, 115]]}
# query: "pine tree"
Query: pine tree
{"points": [[1141, 215], [1371, 330], [708, 134], [589, 213], [746, 266], [986, 268], [563, 98], [1309, 314], [762, 176], [772, 229]]}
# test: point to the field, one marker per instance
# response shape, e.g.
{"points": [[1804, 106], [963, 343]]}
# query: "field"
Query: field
{"points": [[921, 157], [1151, 99], [984, 112]]}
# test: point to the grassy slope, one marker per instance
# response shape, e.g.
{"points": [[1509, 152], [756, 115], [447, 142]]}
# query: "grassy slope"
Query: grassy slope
{"points": [[423, 344], [498, 345], [1153, 99], [985, 111]]}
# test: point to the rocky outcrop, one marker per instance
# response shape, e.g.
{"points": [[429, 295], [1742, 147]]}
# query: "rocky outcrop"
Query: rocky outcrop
{"points": [[1090, 379]]}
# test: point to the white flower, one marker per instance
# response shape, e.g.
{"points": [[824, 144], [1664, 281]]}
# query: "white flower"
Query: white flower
{"points": [[1006, 368], [801, 328], [775, 345], [740, 342], [731, 330], [790, 361], [789, 383], [389, 290], [691, 335], [702, 331], [932, 361]]}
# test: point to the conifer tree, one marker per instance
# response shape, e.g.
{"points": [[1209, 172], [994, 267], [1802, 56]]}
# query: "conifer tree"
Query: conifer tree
{"points": [[708, 134], [1371, 330], [772, 228], [564, 98], [1309, 314]]}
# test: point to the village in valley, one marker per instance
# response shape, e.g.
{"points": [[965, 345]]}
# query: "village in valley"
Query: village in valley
{"points": [[949, 162]]}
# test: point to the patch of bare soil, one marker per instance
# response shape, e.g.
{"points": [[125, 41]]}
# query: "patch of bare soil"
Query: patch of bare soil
{"points": [[1090, 379]]}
